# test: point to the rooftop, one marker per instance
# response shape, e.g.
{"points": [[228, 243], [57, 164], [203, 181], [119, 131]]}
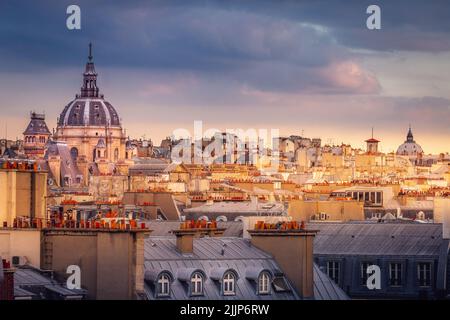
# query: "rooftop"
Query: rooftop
{"points": [[218, 255]]}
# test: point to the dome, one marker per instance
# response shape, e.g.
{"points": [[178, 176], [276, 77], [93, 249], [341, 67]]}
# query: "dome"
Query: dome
{"points": [[409, 147], [89, 107], [89, 112]]}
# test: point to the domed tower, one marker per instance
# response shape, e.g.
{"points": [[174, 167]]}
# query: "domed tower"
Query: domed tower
{"points": [[89, 118], [410, 147]]}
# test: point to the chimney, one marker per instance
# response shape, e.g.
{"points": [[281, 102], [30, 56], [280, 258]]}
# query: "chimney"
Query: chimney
{"points": [[6, 281], [195, 229], [291, 245]]}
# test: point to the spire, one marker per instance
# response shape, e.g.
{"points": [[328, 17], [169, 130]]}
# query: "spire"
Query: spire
{"points": [[409, 136], [90, 52], [89, 88]]}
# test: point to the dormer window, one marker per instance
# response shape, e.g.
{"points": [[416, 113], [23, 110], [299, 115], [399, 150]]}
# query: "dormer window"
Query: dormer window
{"points": [[197, 284], [163, 285], [229, 284], [264, 283]]}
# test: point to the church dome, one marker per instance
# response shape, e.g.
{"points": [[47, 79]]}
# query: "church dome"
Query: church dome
{"points": [[89, 112], [89, 108], [409, 147]]}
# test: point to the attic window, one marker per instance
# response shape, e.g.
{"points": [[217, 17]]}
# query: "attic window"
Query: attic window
{"points": [[280, 285], [264, 283], [229, 283], [197, 284], [163, 286]]}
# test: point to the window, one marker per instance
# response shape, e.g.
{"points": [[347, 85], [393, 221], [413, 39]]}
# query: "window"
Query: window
{"points": [[280, 284], [360, 196], [116, 154], [379, 198], [163, 288], [424, 274], [197, 284], [229, 284], [395, 274], [333, 269], [323, 216], [74, 153], [264, 283]]}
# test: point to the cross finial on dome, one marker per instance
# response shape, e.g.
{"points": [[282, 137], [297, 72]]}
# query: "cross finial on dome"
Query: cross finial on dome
{"points": [[90, 52]]}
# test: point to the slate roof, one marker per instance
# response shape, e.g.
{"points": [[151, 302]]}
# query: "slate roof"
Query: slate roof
{"points": [[85, 111], [68, 165], [353, 238], [384, 239], [152, 167], [37, 125], [247, 207], [325, 288], [9, 153], [29, 281], [216, 255]]}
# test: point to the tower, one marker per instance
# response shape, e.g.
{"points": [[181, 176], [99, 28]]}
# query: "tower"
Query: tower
{"points": [[372, 145], [87, 119], [36, 136]]}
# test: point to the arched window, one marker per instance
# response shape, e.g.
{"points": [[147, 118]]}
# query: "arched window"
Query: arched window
{"points": [[229, 284], [163, 288], [126, 155], [197, 284], [264, 283], [99, 154], [116, 154], [74, 153]]}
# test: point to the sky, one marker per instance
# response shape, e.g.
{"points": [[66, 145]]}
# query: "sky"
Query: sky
{"points": [[309, 68]]}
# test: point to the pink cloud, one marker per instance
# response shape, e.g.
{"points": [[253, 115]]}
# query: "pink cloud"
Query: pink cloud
{"points": [[348, 76]]}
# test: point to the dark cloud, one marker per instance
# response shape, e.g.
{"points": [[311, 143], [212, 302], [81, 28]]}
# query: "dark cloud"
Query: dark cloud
{"points": [[269, 52]]}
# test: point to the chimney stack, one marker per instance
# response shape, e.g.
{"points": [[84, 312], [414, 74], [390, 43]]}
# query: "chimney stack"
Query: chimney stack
{"points": [[291, 245], [6, 281], [195, 229]]}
